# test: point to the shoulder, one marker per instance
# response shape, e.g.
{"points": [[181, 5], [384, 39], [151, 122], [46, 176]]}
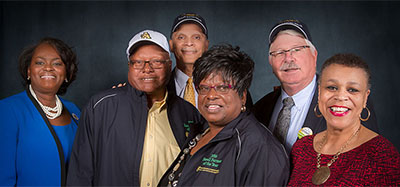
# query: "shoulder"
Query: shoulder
{"points": [[108, 97], [381, 147], [255, 135], [15, 98], [303, 143], [269, 98]]}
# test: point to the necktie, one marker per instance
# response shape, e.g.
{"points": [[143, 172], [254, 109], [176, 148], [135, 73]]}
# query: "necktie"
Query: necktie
{"points": [[189, 92], [283, 121]]}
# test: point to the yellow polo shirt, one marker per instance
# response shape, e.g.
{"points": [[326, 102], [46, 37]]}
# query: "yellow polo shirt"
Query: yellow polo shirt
{"points": [[160, 147]]}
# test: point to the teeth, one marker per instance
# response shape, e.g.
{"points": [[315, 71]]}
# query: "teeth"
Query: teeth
{"points": [[47, 77], [339, 109], [148, 79], [213, 107]]}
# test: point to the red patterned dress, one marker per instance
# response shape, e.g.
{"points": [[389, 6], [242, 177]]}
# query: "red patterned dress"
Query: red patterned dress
{"points": [[374, 163]]}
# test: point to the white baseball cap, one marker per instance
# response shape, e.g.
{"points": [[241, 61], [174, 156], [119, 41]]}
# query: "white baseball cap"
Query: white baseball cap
{"points": [[151, 36]]}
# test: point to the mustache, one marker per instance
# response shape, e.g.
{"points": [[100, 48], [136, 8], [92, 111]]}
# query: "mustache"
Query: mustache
{"points": [[289, 65]]}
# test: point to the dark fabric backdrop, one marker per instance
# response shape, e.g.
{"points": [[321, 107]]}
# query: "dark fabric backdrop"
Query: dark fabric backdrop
{"points": [[100, 31]]}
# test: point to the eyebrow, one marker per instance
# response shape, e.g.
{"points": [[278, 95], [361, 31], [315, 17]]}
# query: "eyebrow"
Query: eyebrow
{"points": [[57, 58], [351, 82]]}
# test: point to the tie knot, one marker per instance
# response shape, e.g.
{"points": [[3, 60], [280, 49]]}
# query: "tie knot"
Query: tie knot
{"points": [[189, 81], [288, 102]]}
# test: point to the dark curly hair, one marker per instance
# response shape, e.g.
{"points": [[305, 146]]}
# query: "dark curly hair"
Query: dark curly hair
{"points": [[232, 64], [348, 60], [66, 53]]}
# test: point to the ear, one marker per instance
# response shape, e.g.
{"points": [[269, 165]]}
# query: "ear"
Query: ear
{"points": [[171, 45], [319, 92], [207, 43], [29, 73], [244, 97], [366, 97]]}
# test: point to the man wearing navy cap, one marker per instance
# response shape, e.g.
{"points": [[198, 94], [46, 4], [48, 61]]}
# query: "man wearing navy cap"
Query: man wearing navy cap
{"points": [[290, 107], [189, 40]]}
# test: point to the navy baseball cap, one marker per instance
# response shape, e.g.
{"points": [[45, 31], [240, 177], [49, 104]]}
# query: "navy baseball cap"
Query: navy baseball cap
{"points": [[190, 17], [289, 24]]}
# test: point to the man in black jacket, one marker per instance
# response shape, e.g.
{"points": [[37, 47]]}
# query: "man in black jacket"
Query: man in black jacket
{"points": [[293, 59], [128, 136]]}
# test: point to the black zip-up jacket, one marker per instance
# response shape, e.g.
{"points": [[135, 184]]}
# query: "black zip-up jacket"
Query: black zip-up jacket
{"points": [[243, 153], [108, 146]]}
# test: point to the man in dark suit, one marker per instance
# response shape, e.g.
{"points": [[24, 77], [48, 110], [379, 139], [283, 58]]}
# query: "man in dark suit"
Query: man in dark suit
{"points": [[189, 40], [293, 59]]}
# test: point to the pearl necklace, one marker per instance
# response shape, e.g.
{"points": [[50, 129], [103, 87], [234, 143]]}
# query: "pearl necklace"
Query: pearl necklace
{"points": [[172, 177], [51, 113]]}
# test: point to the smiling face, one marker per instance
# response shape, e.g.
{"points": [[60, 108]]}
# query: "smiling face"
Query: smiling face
{"points": [[343, 93], [149, 80], [294, 71], [47, 71], [188, 43], [219, 108]]}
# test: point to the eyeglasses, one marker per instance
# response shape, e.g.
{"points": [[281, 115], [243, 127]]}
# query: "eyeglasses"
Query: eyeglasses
{"points": [[222, 89], [293, 51], [155, 64]]}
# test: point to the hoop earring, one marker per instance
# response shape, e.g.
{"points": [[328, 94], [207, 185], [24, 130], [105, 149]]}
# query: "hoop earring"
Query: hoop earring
{"points": [[369, 114], [243, 108], [66, 80], [29, 77], [315, 111]]}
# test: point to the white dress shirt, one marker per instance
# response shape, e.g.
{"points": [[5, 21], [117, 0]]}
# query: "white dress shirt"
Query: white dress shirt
{"points": [[302, 101]]}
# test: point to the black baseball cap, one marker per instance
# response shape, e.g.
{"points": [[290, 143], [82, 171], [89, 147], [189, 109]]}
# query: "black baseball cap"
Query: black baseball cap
{"points": [[190, 17], [289, 24]]}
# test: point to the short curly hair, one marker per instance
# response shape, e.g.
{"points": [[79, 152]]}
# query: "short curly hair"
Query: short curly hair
{"points": [[66, 53], [232, 64], [348, 60]]}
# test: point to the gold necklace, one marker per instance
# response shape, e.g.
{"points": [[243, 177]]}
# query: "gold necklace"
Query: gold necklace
{"points": [[322, 174]]}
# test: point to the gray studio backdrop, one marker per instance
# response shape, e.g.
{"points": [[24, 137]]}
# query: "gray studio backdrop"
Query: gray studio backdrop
{"points": [[100, 31]]}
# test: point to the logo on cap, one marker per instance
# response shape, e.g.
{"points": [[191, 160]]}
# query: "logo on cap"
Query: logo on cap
{"points": [[145, 35]]}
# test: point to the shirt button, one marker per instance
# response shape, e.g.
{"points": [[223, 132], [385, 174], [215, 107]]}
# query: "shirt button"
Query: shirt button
{"points": [[148, 184], [151, 136], [149, 160]]}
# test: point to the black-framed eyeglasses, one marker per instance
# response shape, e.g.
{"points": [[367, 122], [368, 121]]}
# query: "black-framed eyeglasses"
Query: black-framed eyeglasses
{"points": [[293, 51], [155, 64], [222, 89]]}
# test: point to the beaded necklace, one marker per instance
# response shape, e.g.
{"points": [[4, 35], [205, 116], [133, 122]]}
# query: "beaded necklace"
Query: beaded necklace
{"points": [[51, 113], [172, 181]]}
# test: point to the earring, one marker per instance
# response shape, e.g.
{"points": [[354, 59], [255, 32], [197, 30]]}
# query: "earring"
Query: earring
{"points": [[315, 111], [365, 119], [66, 80], [29, 77], [243, 108]]}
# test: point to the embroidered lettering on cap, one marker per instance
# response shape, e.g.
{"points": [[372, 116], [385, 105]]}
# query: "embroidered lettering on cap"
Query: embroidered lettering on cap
{"points": [[145, 35]]}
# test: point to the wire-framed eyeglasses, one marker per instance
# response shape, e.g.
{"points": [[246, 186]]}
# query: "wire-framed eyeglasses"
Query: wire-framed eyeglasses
{"points": [[293, 52], [222, 89], [155, 64]]}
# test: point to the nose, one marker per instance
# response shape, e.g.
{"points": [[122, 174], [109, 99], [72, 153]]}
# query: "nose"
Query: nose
{"points": [[212, 94], [341, 95], [48, 67], [288, 56], [147, 67], [189, 41]]}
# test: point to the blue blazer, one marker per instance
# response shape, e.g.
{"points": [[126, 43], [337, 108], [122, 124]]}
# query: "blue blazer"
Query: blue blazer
{"points": [[31, 153]]}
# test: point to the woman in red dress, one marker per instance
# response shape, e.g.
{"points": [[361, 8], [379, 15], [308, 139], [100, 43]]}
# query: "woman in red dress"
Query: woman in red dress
{"points": [[347, 153]]}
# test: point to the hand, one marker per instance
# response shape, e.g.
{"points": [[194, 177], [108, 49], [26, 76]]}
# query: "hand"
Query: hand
{"points": [[119, 85]]}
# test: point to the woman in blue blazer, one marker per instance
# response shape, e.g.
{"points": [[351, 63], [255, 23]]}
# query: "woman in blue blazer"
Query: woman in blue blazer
{"points": [[37, 128]]}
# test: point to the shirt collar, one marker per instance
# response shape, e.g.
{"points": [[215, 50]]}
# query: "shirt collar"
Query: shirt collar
{"points": [[158, 106], [180, 78], [300, 98]]}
